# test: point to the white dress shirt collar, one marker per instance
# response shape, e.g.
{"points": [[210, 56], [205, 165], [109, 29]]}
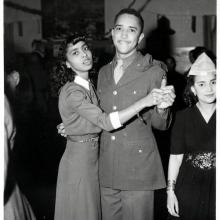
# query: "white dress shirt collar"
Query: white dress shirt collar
{"points": [[82, 82]]}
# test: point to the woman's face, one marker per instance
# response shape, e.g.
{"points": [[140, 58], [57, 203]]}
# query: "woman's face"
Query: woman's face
{"points": [[205, 88], [79, 57]]}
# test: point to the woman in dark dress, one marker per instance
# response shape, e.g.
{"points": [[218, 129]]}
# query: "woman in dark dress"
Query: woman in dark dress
{"points": [[77, 195], [191, 172]]}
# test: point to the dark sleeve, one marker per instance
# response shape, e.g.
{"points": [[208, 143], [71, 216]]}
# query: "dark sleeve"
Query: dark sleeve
{"points": [[178, 134]]}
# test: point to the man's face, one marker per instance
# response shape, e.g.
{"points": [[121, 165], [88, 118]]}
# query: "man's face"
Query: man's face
{"points": [[126, 35]]}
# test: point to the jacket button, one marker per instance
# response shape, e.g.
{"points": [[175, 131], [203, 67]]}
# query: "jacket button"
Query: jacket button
{"points": [[135, 92], [112, 137], [115, 92], [114, 107], [140, 151]]}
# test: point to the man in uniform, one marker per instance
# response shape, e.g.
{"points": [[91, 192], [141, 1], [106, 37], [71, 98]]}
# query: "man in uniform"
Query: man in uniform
{"points": [[130, 167]]}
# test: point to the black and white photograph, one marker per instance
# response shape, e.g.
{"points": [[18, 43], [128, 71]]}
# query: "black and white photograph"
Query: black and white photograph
{"points": [[109, 110]]}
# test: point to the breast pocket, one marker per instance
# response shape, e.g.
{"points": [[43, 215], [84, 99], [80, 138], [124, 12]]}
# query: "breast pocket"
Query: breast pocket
{"points": [[132, 93]]}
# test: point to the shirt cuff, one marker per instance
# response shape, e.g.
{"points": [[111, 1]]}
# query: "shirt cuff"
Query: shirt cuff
{"points": [[114, 118]]}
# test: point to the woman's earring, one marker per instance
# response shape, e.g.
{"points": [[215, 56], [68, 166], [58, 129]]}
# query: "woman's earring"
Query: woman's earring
{"points": [[193, 91], [68, 65]]}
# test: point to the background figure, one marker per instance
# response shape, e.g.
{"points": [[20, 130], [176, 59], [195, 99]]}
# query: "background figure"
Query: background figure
{"points": [[19, 91], [178, 80], [37, 70], [16, 205], [197, 51], [158, 42], [192, 173]]}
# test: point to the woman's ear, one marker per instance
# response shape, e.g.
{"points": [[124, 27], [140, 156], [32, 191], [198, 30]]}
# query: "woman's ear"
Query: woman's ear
{"points": [[67, 64], [193, 90]]}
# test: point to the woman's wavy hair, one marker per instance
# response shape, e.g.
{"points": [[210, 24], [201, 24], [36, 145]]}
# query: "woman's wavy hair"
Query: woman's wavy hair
{"points": [[61, 74], [189, 98]]}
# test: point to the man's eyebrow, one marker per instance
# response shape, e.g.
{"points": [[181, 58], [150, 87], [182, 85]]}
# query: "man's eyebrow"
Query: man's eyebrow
{"points": [[200, 81], [133, 27], [120, 25]]}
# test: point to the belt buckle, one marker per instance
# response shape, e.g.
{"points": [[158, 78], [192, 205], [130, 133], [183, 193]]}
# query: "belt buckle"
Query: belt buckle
{"points": [[89, 139]]}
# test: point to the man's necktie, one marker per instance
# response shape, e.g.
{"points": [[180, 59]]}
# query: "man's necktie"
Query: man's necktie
{"points": [[118, 72]]}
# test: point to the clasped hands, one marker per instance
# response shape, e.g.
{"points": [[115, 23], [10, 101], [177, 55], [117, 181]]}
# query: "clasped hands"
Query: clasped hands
{"points": [[164, 96]]}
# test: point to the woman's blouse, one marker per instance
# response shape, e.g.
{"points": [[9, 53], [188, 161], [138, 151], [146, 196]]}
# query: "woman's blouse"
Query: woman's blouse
{"points": [[191, 133], [78, 106]]}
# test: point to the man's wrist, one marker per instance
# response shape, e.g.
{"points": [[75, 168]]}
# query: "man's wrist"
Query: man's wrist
{"points": [[160, 110]]}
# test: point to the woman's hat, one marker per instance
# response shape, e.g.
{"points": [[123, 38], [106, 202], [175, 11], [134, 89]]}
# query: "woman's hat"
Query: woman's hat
{"points": [[202, 66]]}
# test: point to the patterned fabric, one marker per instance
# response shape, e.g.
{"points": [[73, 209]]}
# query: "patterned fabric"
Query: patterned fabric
{"points": [[203, 160]]}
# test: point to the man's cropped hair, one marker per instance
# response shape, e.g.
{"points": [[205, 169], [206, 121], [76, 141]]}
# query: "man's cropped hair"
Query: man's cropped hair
{"points": [[131, 11]]}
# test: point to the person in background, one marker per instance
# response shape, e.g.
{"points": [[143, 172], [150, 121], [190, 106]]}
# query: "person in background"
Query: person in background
{"points": [[37, 71], [130, 167], [78, 195], [197, 51], [191, 171], [16, 205], [19, 91], [176, 79]]}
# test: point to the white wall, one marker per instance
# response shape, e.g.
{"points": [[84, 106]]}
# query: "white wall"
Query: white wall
{"points": [[31, 24], [184, 37]]}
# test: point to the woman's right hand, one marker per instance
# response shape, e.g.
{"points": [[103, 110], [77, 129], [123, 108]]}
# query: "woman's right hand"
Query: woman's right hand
{"points": [[172, 203], [61, 130]]}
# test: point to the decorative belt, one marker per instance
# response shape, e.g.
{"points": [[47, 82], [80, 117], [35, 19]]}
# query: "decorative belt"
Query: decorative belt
{"points": [[84, 138], [203, 160]]}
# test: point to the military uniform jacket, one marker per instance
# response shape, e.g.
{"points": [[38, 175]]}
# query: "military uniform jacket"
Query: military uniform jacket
{"points": [[129, 157]]}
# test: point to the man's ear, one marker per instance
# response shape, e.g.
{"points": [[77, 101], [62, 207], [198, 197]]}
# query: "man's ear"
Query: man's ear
{"points": [[112, 32], [141, 37]]}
